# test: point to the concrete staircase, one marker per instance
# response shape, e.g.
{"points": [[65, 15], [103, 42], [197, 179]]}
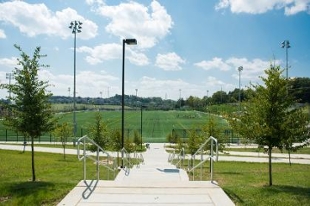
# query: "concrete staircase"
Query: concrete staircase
{"points": [[116, 193], [156, 182]]}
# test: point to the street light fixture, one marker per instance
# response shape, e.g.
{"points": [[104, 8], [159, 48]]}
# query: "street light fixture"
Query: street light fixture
{"points": [[76, 27], [240, 69], [129, 42]]}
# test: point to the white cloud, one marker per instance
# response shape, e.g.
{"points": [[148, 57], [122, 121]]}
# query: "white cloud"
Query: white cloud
{"points": [[2, 34], [215, 63], [291, 7], [36, 19], [112, 51], [252, 68], [169, 61], [10, 63], [134, 20], [162, 88], [95, 82]]}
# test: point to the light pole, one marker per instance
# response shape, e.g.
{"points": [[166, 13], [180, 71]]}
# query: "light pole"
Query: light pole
{"points": [[9, 76], [129, 42], [286, 44], [240, 69], [137, 99], [76, 27], [141, 124]]}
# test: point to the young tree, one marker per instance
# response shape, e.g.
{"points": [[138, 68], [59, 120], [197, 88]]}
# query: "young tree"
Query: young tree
{"points": [[99, 133], [63, 132], [137, 139], [212, 128], [270, 118], [29, 107]]}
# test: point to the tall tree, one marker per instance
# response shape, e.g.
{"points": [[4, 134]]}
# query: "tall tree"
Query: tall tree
{"points": [[268, 114], [29, 108]]}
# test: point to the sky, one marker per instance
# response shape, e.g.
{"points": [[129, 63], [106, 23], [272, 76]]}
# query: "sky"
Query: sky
{"points": [[184, 47]]}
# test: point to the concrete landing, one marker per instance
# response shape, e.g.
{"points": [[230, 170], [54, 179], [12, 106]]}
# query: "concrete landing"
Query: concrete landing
{"points": [[156, 182], [116, 193]]}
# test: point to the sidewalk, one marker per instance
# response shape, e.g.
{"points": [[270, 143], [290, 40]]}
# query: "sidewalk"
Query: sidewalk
{"points": [[233, 156], [156, 182]]}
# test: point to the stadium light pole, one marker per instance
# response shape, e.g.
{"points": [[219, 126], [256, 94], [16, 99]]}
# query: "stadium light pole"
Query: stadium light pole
{"points": [[76, 27], [9, 76], [129, 42], [240, 70], [286, 45]]}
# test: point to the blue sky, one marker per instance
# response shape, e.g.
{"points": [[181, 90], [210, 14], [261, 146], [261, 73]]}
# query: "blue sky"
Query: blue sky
{"points": [[185, 47]]}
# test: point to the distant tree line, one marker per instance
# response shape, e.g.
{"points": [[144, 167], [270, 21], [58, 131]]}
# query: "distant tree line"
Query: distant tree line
{"points": [[299, 87]]}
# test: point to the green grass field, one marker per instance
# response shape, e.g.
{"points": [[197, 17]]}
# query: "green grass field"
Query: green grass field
{"points": [[245, 183], [156, 125]]}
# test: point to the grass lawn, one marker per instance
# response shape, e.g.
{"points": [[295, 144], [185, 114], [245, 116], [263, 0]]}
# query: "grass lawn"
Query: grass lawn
{"points": [[246, 183], [156, 124], [55, 177], [305, 150]]}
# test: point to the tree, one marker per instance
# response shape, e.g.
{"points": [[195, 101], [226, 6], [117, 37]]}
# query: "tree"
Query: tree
{"points": [[29, 107], [212, 128], [137, 139], [270, 118], [63, 132], [98, 132]]}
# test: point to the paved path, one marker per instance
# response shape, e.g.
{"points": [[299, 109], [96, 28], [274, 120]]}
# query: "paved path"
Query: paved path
{"points": [[233, 156], [156, 182]]}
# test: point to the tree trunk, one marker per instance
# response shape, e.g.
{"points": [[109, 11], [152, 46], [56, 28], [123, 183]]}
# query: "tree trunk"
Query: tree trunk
{"points": [[32, 161], [270, 166]]}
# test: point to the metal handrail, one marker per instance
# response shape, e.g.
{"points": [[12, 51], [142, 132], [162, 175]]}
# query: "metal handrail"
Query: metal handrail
{"points": [[86, 141], [171, 156], [126, 158], [211, 157], [180, 157], [139, 157]]}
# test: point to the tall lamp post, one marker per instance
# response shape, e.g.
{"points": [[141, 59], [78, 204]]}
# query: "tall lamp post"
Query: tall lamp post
{"points": [[76, 27], [286, 44], [129, 42], [240, 69], [9, 76], [142, 106]]}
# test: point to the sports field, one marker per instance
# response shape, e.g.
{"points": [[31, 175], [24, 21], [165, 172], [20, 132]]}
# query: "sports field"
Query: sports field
{"points": [[156, 125]]}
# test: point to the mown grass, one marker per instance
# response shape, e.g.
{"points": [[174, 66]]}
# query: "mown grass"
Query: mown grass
{"points": [[247, 183], [305, 150], [55, 177], [156, 124]]}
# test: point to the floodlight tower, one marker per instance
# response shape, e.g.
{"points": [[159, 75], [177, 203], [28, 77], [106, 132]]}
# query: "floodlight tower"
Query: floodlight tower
{"points": [[286, 44], [240, 70], [76, 27]]}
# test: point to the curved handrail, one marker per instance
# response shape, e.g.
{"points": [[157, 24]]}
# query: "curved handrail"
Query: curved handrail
{"points": [[212, 157], [87, 154]]}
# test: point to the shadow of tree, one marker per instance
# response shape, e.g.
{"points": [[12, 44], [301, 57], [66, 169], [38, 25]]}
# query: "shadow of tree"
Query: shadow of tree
{"points": [[292, 190], [28, 188]]}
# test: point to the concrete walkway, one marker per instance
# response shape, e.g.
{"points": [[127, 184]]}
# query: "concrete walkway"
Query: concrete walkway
{"points": [[156, 182]]}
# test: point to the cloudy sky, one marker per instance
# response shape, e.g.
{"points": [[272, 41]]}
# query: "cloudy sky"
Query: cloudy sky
{"points": [[185, 47]]}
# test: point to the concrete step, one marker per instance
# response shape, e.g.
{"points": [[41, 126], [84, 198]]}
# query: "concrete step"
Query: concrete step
{"points": [[116, 193]]}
